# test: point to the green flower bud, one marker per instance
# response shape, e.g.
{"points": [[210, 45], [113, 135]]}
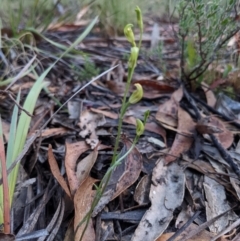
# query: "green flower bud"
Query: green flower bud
{"points": [[139, 127], [136, 95], [139, 18], [129, 34], [133, 57]]}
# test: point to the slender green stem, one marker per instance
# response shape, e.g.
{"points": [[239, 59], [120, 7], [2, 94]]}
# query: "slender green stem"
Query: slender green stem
{"points": [[102, 187], [140, 41], [122, 112], [116, 160]]}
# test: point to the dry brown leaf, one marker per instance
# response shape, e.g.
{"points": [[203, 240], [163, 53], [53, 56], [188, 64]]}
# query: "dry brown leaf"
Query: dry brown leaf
{"points": [[123, 176], [116, 87], [82, 204], [85, 165], [204, 126], [183, 141], [226, 136], [167, 112], [73, 151], [133, 167], [54, 132], [105, 113], [55, 171], [166, 194], [203, 236]]}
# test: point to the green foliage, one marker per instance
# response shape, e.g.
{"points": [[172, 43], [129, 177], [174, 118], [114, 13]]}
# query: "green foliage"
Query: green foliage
{"points": [[204, 29], [19, 127], [89, 70], [38, 14]]}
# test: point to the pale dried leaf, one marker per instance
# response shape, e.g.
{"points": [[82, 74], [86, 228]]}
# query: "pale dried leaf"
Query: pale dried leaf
{"points": [[88, 123], [211, 99], [166, 194], [216, 204]]}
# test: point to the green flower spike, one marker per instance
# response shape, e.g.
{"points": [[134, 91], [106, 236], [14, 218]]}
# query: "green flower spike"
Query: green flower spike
{"points": [[133, 57], [129, 34], [139, 128], [136, 95]]}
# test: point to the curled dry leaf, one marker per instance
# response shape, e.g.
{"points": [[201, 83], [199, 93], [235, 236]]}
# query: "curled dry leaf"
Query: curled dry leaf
{"points": [[82, 204], [141, 194], [214, 125], [204, 126], [85, 165], [89, 121], [211, 99], [123, 176], [167, 112], [73, 151], [184, 137], [166, 194], [56, 172]]}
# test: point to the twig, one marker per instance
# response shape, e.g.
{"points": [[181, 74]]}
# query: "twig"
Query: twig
{"points": [[179, 231], [205, 225], [204, 64], [15, 102], [225, 155], [214, 111]]}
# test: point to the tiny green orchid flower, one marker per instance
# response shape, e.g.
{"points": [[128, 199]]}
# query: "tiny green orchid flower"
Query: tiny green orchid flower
{"points": [[139, 128], [133, 57], [139, 18], [136, 95], [129, 34]]}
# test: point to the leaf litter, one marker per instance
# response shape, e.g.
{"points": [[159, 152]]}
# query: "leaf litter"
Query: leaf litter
{"points": [[183, 187]]}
